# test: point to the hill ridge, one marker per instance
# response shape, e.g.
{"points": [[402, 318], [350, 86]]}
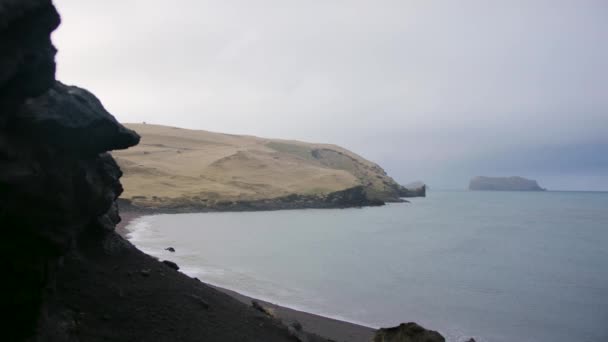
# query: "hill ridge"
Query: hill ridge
{"points": [[174, 167]]}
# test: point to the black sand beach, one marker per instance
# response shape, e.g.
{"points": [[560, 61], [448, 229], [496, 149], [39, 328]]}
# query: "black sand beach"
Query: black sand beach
{"points": [[325, 327]]}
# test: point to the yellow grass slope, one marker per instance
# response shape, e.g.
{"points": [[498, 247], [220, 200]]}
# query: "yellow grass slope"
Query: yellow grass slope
{"points": [[173, 165]]}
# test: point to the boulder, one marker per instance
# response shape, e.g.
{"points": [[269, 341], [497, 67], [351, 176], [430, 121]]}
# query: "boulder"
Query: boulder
{"points": [[407, 332], [411, 191], [171, 264]]}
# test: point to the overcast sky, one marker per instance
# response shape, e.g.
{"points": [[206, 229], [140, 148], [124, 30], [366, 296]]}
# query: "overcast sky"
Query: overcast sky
{"points": [[437, 91]]}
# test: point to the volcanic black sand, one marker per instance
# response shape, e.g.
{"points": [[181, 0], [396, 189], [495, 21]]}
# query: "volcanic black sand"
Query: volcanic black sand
{"points": [[328, 328]]}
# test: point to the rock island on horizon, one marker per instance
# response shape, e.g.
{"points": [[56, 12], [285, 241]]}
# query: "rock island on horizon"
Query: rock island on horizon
{"points": [[514, 183]]}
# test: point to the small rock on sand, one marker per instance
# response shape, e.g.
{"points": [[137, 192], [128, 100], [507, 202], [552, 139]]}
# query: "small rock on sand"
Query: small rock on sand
{"points": [[407, 332], [171, 264]]}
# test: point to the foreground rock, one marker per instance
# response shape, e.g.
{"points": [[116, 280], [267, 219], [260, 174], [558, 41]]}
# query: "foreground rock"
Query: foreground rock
{"points": [[67, 275], [407, 332], [504, 184]]}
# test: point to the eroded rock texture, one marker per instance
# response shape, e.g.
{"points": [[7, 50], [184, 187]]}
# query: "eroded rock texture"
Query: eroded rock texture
{"points": [[67, 275], [56, 181]]}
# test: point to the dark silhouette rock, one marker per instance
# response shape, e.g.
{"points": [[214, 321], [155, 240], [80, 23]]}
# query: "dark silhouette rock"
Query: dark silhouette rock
{"points": [[407, 332], [47, 197], [170, 249], [504, 184], [413, 191], [27, 65], [65, 115], [171, 264]]}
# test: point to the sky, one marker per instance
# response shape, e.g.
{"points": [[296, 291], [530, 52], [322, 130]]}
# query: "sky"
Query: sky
{"points": [[438, 91]]}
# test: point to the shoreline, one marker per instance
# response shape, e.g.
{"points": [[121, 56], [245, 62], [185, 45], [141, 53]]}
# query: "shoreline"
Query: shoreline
{"points": [[326, 327]]}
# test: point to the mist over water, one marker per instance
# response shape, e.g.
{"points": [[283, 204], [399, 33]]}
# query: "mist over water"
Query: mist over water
{"points": [[497, 266]]}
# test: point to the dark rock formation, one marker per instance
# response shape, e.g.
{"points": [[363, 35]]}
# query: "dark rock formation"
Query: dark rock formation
{"points": [[413, 192], [407, 332], [504, 184], [67, 275], [65, 115], [27, 61], [171, 264]]}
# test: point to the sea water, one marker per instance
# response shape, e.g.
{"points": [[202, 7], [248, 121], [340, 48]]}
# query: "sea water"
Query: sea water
{"points": [[496, 266]]}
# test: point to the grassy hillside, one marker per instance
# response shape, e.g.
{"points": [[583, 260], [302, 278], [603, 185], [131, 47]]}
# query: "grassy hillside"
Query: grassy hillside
{"points": [[173, 165]]}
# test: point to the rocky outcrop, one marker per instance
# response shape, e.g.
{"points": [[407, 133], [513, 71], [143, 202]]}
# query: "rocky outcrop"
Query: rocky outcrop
{"points": [[73, 120], [27, 69], [504, 184], [407, 332], [67, 275], [57, 184], [27, 61], [413, 191]]}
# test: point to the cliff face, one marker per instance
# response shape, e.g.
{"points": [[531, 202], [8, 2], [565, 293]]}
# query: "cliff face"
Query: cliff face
{"points": [[68, 276], [56, 181], [504, 184]]}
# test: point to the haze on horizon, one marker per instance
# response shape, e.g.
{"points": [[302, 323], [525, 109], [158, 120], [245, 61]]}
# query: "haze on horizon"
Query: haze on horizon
{"points": [[431, 90]]}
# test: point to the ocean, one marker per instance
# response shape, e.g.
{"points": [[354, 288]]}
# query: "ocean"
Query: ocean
{"points": [[496, 266]]}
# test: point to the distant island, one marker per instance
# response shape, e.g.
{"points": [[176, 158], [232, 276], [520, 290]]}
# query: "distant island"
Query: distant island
{"points": [[514, 183]]}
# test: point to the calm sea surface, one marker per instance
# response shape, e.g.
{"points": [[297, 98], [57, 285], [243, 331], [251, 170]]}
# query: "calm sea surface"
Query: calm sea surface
{"points": [[497, 266]]}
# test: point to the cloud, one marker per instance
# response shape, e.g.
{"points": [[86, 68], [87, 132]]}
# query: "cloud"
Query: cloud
{"points": [[418, 86]]}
